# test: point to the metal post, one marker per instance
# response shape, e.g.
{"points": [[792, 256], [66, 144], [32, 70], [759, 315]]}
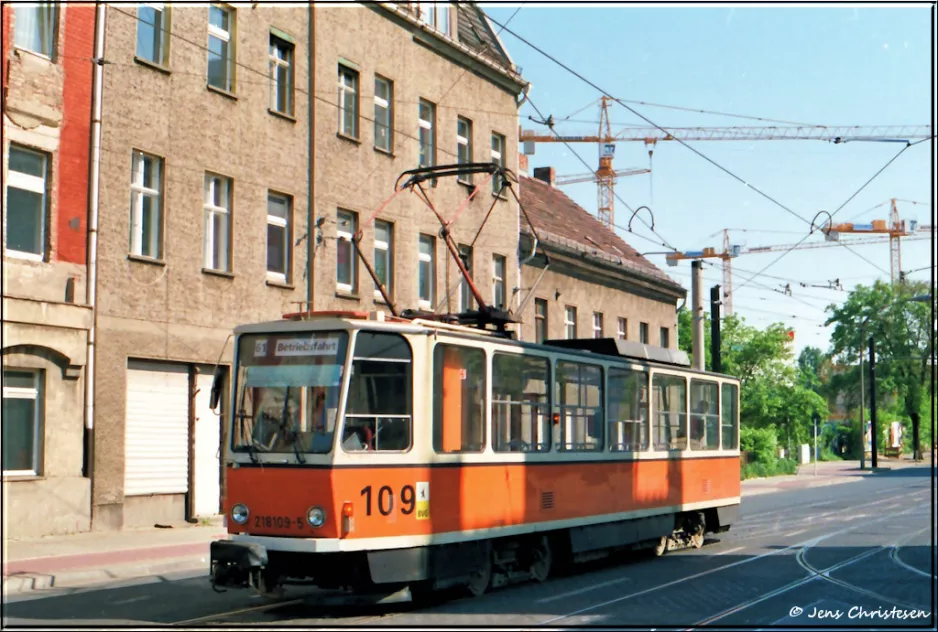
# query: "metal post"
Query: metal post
{"points": [[873, 434], [817, 421], [716, 362], [697, 319], [862, 420]]}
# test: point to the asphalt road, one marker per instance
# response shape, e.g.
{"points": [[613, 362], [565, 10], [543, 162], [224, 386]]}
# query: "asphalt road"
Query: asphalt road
{"points": [[859, 554]]}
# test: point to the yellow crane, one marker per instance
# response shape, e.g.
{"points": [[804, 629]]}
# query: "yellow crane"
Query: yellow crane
{"points": [[605, 175]]}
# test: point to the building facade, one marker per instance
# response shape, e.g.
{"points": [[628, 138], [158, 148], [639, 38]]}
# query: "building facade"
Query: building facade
{"points": [[242, 147], [596, 285], [46, 75]]}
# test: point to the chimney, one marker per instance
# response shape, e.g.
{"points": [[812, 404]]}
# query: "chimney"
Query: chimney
{"points": [[523, 164], [545, 174]]}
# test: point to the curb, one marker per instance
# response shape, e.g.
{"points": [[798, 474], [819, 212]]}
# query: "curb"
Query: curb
{"points": [[88, 577], [821, 483]]}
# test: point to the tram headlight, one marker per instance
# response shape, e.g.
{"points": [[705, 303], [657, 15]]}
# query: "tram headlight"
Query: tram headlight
{"points": [[240, 513], [316, 517]]}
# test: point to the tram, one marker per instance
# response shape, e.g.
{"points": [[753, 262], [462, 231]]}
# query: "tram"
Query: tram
{"points": [[418, 451], [370, 453]]}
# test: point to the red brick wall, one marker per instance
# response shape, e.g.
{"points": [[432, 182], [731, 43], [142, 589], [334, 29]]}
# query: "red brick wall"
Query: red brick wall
{"points": [[7, 33], [77, 49]]}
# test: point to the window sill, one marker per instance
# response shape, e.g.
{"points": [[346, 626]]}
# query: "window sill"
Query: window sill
{"points": [[283, 285], [281, 115], [219, 273], [348, 139], [468, 184], [222, 92], [152, 65], [385, 152], [25, 256], [36, 54], [21, 478], [143, 259], [348, 296]]}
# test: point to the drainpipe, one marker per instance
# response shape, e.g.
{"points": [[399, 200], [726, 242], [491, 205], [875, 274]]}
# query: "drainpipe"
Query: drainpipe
{"points": [[312, 230], [93, 205], [518, 104]]}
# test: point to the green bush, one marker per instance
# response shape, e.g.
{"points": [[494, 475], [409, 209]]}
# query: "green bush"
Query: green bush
{"points": [[761, 443], [759, 469]]}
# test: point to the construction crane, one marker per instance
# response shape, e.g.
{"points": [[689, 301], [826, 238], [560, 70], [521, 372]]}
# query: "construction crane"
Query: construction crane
{"points": [[650, 136], [594, 177], [730, 252]]}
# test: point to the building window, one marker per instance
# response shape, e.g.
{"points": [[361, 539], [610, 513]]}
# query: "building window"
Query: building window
{"points": [[384, 93], [221, 48], [622, 329], [597, 325], [520, 410], [348, 102], [35, 28], [427, 135], [346, 272], [426, 271], [498, 158], [436, 14], [540, 320], [466, 299], [643, 333], [384, 256], [22, 422], [664, 337], [459, 379], [26, 215], [146, 206], [498, 282], [281, 75], [279, 231], [152, 33], [569, 323], [464, 146], [217, 223]]}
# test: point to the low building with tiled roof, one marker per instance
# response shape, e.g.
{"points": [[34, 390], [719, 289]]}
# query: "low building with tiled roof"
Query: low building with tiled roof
{"points": [[595, 285]]}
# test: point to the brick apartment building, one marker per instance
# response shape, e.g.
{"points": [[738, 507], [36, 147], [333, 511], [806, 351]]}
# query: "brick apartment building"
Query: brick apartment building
{"points": [[597, 286], [235, 158], [47, 78]]}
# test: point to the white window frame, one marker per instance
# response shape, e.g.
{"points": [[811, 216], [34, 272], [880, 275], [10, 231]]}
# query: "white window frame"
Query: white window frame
{"points": [[137, 194], [162, 49], [281, 55], [225, 36], [498, 159], [34, 393], [597, 325], [32, 184], [622, 329], [437, 15], [428, 125], [466, 299], [386, 105], [464, 141], [569, 322], [387, 247], [347, 233], [50, 12], [348, 92], [285, 223], [210, 211], [428, 258], [540, 318], [498, 281]]}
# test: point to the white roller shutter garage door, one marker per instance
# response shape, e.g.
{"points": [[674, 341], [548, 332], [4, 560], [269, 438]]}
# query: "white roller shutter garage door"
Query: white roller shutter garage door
{"points": [[156, 457]]}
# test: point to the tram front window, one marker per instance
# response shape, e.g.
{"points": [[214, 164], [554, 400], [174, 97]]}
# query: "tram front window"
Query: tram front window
{"points": [[288, 387]]}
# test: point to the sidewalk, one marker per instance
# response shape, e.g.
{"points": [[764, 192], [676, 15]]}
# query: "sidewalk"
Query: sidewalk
{"points": [[84, 559], [828, 473]]}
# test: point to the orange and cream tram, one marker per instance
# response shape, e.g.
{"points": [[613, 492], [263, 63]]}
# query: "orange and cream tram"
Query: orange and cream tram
{"points": [[393, 454]]}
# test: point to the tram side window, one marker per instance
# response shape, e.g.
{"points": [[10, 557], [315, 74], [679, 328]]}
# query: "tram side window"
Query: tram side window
{"points": [[459, 399], [704, 416], [379, 407], [730, 416], [579, 397], [520, 412], [670, 422], [628, 410]]}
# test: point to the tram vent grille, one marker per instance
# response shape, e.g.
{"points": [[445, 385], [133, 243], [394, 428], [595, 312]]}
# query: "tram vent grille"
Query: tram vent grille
{"points": [[547, 500]]}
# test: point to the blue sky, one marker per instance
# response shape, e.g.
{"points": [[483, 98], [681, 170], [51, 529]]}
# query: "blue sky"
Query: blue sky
{"points": [[840, 65]]}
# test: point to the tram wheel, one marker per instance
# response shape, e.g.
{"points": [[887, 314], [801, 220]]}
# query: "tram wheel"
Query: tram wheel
{"points": [[697, 539], [662, 546], [542, 560], [480, 577]]}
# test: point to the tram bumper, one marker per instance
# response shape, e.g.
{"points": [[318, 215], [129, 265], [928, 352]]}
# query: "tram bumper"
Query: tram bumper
{"points": [[233, 562]]}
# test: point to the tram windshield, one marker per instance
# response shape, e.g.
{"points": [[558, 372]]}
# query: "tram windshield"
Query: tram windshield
{"points": [[287, 387]]}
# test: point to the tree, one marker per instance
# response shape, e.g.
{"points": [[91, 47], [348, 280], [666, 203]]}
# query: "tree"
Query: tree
{"points": [[685, 335], [905, 340]]}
